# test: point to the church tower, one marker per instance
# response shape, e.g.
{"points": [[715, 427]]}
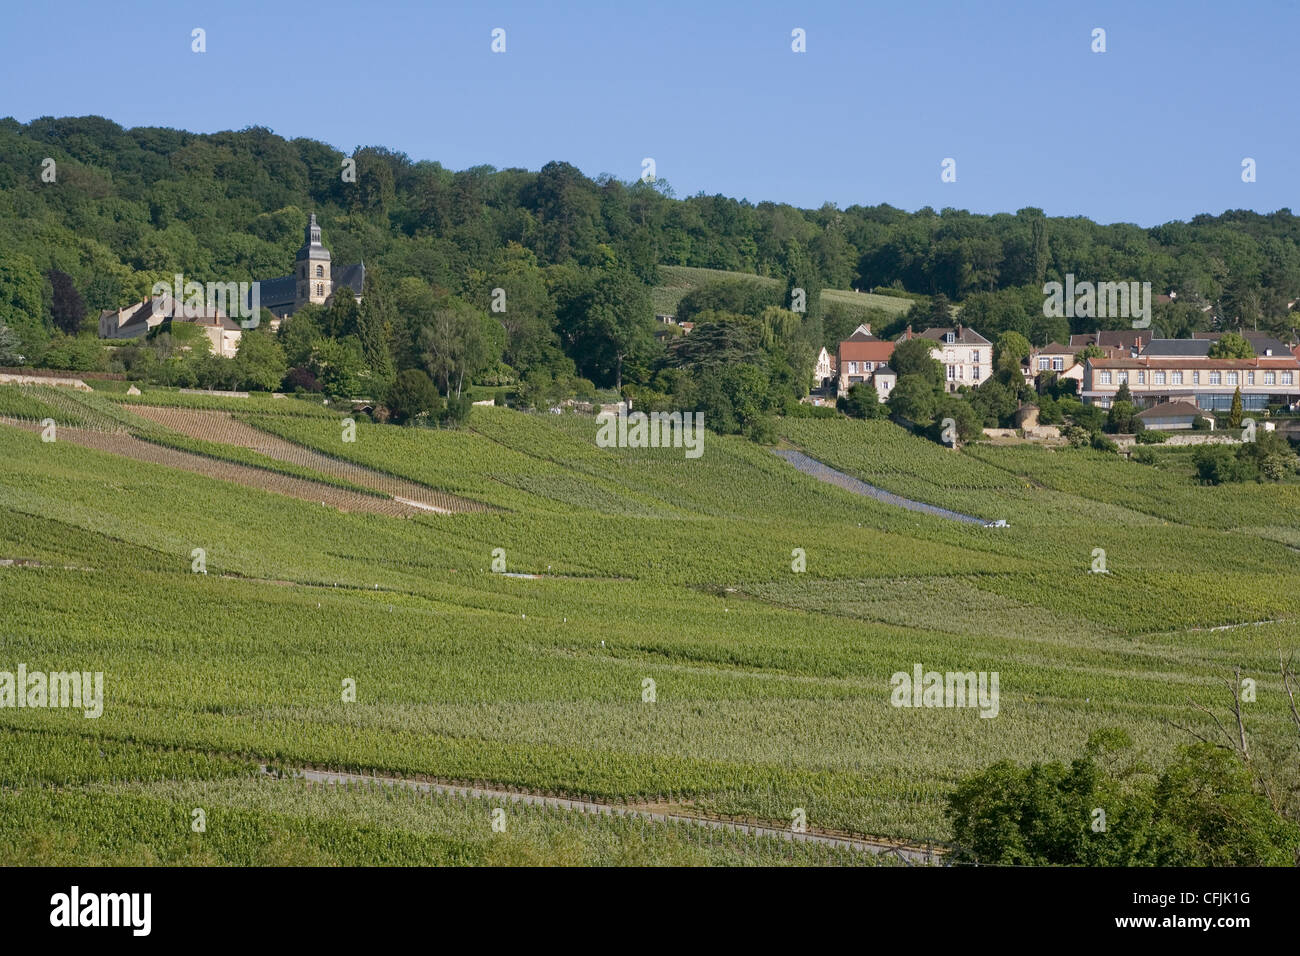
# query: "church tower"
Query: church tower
{"points": [[312, 269]]}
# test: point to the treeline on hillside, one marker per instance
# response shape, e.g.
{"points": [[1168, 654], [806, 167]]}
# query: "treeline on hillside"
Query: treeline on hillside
{"points": [[575, 259]]}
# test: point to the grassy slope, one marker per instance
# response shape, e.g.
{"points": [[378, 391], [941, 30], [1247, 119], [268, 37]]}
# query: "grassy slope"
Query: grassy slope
{"points": [[770, 696], [676, 281]]}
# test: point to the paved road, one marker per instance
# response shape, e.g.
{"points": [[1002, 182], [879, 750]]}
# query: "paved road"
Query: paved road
{"points": [[823, 472]]}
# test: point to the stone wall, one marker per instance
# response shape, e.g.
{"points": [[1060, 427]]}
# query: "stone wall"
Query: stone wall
{"points": [[1037, 433], [76, 383], [1221, 437]]}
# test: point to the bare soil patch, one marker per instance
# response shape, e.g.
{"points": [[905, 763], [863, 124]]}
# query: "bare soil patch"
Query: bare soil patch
{"points": [[130, 447], [222, 427]]}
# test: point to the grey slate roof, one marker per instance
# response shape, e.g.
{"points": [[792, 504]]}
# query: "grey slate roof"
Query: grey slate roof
{"points": [[277, 291], [138, 321], [1262, 342], [282, 290], [353, 276], [1190, 348], [966, 336], [145, 308], [311, 244]]}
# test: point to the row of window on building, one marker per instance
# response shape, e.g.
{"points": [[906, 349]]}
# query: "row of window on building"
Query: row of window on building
{"points": [[1213, 378], [954, 371]]}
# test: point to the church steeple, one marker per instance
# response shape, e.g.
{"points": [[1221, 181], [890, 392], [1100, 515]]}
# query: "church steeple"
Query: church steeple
{"points": [[312, 268], [311, 246]]}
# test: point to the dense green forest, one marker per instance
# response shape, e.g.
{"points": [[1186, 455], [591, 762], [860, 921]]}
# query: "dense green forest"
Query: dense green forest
{"points": [[576, 258]]}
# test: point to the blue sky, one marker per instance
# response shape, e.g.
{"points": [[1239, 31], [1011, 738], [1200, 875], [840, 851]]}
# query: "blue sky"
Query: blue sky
{"points": [[1153, 129]]}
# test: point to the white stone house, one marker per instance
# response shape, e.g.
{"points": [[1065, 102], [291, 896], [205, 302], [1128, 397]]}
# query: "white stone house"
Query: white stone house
{"points": [[966, 356]]}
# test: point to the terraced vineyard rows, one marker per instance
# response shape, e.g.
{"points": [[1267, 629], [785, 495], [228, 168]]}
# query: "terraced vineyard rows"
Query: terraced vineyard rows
{"points": [[290, 823], [37, 402], [467, 464], [1168, 495], [221, 427], [772, 685], [254, 404], [128, 446]]}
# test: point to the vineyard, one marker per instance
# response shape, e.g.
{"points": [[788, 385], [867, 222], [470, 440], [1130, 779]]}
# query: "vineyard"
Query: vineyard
{"points": [[221, 428], [769, 683]]}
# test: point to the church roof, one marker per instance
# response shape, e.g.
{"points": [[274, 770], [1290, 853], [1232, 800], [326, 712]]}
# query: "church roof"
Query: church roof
{"points": [[278, 291], [311, 244], [282, 291], [353, 276]]}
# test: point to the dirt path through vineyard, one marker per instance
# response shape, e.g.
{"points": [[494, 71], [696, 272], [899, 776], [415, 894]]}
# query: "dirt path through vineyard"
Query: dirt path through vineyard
{"points": [[128, 446], [910, 853], [222, 427]]}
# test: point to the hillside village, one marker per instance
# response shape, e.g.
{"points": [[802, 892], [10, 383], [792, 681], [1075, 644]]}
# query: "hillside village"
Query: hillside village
{"points": [[1172, 382], [724, 437], [573, 495]]}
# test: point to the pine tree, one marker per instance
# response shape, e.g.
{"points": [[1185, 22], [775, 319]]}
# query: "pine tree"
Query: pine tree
{"points": [[374, 328], [801, 274], [1038, 247], [67, 308], [939, 311]]}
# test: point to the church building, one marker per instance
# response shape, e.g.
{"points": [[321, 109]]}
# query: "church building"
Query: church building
{"points": [[313, 280]]}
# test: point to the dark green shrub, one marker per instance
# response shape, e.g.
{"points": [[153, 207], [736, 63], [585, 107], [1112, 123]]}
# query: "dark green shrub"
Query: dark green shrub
{"points": [[456, 413], [1219, 464], [762, 431], [1202, 809], [1122, 419], [862, 401], [412, 394], [1102, 443]]}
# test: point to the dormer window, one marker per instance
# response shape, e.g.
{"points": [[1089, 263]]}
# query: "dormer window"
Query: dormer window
{"points": [[950, 337]]}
